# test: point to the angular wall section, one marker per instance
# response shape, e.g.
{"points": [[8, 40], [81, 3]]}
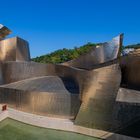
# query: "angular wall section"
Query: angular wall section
{"points": [[14, 49], [127, 107], [22, 50], [99, 97], [130, 66]]}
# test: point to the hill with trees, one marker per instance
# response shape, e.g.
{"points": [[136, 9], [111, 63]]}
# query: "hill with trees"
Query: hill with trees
{"points": [[63, 55]]}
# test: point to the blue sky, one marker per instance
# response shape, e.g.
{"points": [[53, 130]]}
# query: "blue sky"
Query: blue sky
{"points": [[49, 25]]}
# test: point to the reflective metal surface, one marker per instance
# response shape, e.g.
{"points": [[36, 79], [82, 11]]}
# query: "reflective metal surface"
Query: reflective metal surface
{"points": [[62, 88], [87, 95], [14, 49], [4, 31], [43, 95], [99, 97], [43, 103], [85, 80], [128, 96], [102, 53], [127, 107], [130, 66]]}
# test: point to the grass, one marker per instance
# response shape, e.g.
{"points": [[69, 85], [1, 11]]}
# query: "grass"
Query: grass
{"points": [[14, 130]]}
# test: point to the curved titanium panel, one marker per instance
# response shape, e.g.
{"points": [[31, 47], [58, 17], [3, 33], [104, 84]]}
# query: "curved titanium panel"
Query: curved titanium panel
{"points": [[102, 53], [83, 78], [43, 95], [65, 91], [50, 84], [12, 72], [99, 97], [43, 103]]}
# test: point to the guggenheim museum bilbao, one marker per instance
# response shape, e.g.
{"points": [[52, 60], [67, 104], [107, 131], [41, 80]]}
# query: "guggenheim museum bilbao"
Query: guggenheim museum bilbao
{"points": [[99, 90]]}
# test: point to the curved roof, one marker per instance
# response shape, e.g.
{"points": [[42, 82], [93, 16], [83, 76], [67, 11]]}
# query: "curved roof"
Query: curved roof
{"points": [[52, 84]]}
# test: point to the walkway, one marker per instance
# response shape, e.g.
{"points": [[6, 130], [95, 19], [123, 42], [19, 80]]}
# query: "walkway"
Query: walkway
{"points": [[59, 124]]}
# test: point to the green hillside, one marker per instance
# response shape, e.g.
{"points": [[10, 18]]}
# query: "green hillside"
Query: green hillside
{"points": [[63, 55]]}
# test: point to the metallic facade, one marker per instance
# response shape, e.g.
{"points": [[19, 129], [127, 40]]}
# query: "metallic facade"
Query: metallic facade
{"points": [[4, 31], [48, 89], [102, 53], [85, 89], [130, 66], [97, 108], [14, 49], [45, 95], [43, 103]]}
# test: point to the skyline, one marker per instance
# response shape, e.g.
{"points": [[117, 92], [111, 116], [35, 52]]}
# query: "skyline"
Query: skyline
{"points": [[49, 25]]}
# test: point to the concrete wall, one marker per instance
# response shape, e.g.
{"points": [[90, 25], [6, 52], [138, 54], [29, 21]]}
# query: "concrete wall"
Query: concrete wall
{"points": [[3, 115]]}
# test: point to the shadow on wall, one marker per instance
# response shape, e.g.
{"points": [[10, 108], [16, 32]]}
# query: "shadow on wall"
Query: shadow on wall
{"points": [[70, 84], [132, 130]]}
